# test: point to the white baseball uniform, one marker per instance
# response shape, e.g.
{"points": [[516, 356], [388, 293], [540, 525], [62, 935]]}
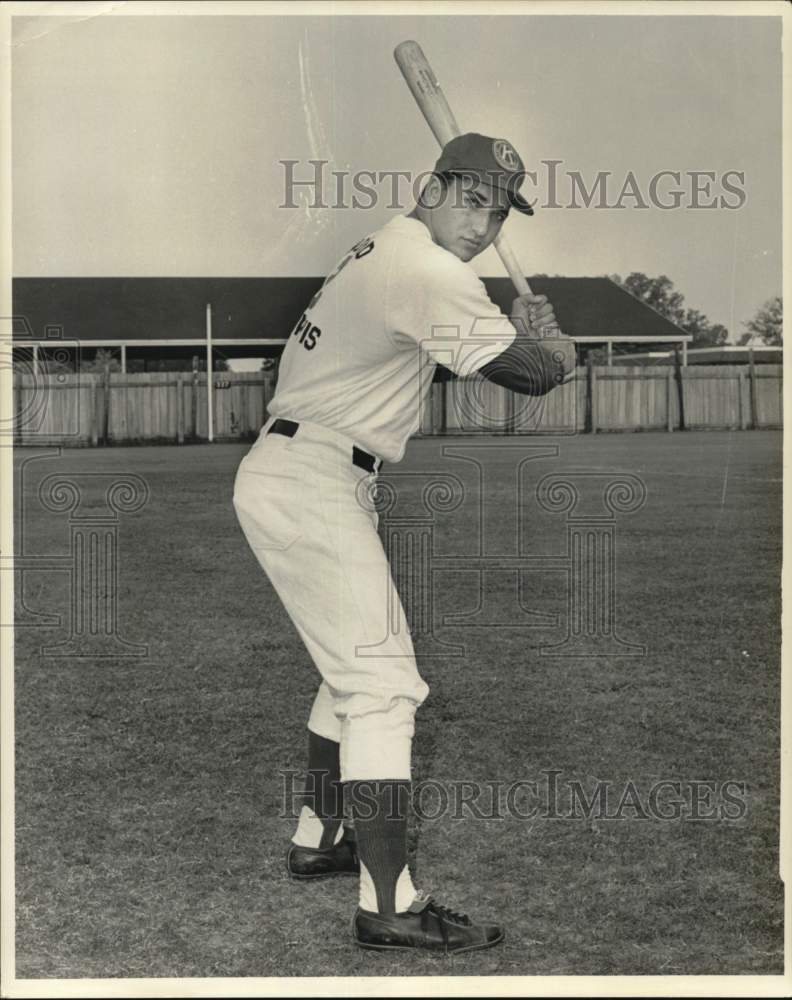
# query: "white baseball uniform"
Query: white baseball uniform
{"points": [[356, 371]]}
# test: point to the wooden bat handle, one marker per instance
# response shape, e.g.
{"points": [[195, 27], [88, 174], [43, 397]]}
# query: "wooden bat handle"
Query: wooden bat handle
{"points": [[436, 110], [512, 265]]}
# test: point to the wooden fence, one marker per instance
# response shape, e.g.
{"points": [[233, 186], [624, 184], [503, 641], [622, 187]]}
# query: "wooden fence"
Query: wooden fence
{"points": [[172, 407]]}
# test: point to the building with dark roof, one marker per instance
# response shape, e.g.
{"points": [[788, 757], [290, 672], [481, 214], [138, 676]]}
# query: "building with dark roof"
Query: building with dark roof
{"points": [[148, 320]]}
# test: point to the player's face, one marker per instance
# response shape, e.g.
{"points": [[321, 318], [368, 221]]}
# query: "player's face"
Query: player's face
{"points": [[467, 218]]}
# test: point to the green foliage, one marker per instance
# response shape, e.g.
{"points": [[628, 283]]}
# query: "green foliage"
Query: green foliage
{"points": [[183, 364], [767, 324], [660, 294], [705, 334], [101, 360]]}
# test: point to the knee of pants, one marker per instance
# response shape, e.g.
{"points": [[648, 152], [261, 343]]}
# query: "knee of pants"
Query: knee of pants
{"points": [[356, 702], [331, 708], [377, 746]]}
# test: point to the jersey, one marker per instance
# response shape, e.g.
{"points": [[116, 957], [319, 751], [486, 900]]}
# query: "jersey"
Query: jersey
{"points": [[361, 358]]}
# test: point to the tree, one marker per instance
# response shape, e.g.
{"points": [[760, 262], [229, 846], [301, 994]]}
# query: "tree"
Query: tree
{"points": [[101, 360], [705, 334], [766, 326], [660, 294]]}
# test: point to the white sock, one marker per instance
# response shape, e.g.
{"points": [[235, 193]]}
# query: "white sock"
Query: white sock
{"points": [[310, 829], [405, 891]]}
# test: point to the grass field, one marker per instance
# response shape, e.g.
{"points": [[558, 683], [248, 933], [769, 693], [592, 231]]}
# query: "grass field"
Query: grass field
{"points": [[148, 792]]}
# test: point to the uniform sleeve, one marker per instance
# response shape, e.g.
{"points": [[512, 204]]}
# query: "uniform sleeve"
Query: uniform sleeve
{"points": [[444, 308]]}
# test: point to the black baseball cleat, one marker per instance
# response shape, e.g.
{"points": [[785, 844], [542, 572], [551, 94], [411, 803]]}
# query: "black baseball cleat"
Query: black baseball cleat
{"points": [[426, 925], [310, 862]]}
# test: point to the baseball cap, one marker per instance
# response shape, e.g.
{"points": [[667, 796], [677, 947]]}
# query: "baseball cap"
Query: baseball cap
{"points": [[492, 161]]}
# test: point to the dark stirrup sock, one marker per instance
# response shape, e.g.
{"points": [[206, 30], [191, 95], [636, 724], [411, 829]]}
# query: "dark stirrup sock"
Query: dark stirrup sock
{"points": [[380, 809], [323, 792]]}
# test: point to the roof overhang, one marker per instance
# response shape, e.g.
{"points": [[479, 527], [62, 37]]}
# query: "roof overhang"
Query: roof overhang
{"points": [[271, 341]]}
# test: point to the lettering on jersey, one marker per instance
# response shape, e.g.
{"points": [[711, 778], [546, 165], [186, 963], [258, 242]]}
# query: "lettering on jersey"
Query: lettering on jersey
{"points": [[306, 333], [360, 250], [299, 330], [311, 337], [364, 247]]}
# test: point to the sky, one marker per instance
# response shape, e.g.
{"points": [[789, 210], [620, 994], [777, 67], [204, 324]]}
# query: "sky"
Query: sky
{"points": [[154, 145]]}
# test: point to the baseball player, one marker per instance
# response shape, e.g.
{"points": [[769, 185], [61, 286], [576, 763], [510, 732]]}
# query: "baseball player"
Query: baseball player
{"points": [[354, 375]]}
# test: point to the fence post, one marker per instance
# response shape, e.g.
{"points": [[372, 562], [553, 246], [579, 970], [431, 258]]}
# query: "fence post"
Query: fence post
{"points": [[680, 389], [106, 401], [94, 410], [670, 400], [752, 384], [741, 394], [194, 400], [179, 408], [588, 419]]}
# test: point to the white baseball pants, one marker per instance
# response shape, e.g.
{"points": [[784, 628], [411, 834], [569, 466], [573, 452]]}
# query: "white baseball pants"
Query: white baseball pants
{"points": [[306, 513]]}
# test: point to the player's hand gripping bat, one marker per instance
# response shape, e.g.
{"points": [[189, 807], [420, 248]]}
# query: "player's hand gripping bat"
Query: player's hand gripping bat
{"points": [[440, 118]]}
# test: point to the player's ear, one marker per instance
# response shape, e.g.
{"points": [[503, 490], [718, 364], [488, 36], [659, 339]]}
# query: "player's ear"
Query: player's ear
{"points": [[433, 192]]}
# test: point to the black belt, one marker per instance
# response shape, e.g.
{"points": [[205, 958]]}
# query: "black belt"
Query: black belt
{"points": [[360, 458]]}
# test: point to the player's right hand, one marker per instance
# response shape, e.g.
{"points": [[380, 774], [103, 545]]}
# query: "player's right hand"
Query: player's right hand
{"points": [[534, 318]]}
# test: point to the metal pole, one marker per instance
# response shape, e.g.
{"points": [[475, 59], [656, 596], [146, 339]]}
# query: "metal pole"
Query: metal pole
{"points": [[123, 357], [670, 400], [106, 405], [589, 419], [610, 353], [684, 354], [209, 380], [194, 399], [35, 359], [752, 389]]}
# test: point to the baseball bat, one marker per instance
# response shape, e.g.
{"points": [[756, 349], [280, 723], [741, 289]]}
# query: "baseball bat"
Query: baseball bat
{"points": [[438, 114]]}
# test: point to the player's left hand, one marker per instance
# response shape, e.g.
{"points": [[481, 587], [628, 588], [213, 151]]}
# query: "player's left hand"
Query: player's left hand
{"points": [[534, 312]]}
